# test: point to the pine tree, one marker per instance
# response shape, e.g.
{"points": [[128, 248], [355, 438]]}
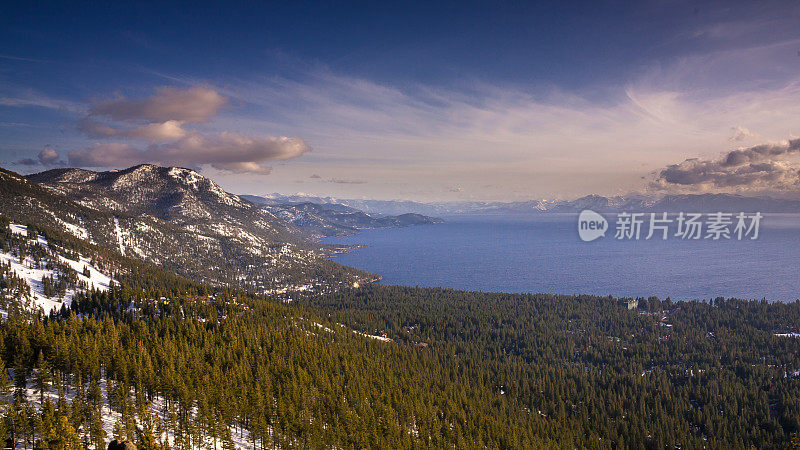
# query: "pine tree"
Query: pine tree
{"points": [[67, 435], [146, 436], [5, 386], [97, 433], [41, 378], [119, 433]]}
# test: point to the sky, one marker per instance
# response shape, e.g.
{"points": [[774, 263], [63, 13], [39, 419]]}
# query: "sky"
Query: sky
{"points": [[427, 101]]}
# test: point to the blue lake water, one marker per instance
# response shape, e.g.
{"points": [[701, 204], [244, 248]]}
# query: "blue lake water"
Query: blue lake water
{"points": [[543, 254]]}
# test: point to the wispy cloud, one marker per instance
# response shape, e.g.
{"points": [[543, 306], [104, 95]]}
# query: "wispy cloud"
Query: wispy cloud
{"points": [[21, 58], [544, 143], [346, 181], [414, 139], [32, 98]]}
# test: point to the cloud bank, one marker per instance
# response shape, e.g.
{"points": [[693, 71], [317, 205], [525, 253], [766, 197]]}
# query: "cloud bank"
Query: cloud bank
{"points": [[225, 151], [161, 120], [765, 167]]}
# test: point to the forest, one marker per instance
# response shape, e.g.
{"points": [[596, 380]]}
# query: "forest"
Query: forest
{"points": [[170, 363], [687, 374]]}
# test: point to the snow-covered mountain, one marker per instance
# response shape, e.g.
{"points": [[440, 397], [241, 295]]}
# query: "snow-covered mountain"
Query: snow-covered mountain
{"points": [[178, 220], [638, 203]]}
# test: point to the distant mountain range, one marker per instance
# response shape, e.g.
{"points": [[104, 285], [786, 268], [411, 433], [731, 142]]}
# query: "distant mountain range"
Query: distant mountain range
{"points": [[334, 219], [667, 203]]}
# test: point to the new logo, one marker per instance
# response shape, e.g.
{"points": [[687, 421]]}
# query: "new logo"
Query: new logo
{"points": [[591, 225]]}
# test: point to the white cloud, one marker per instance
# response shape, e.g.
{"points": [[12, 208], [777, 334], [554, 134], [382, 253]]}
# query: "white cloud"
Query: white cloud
{"points": [[23, 97], [48, 156], [171, 130], [224, 151], [161, 120]]}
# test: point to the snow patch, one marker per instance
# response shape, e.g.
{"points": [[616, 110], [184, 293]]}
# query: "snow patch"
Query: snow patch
{"points": [[119, 236], [19, 229], [189, 177], [110, 416], [372, 336], [33, 277], [75, 230], [322, 327]]}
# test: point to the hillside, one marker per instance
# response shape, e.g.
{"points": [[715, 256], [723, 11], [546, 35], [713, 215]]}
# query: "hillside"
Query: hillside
{"points": [[179, 221], [36, 275], [162, 360]]}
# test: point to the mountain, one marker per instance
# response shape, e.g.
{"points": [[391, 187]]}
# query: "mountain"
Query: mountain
{"points": [[634, 203], [334, 219], [379, 207], [178, 220]]}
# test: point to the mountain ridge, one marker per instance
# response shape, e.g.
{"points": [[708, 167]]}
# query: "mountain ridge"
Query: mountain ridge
{"points": [[334, 219], [179, 221], [635, 203]]}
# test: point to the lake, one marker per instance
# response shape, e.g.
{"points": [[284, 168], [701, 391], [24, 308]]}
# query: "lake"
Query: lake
{"points": [[542, 253]]}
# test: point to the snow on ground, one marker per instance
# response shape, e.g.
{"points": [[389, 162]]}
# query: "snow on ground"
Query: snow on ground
{"points": [[791, 335], [190, 177], [76, 231], [19, 229], [323, 327], [119, 236], [380, 338], [96, 279], [27, 270], [241, 438], [34, 279]]}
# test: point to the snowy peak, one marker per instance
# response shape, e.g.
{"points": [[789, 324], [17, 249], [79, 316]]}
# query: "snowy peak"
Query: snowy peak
{"points": [[187, 176], [198, 183], [145, 188]]}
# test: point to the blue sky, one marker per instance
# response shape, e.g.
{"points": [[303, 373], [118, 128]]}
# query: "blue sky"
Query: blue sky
{"points": [[453, 101]]}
